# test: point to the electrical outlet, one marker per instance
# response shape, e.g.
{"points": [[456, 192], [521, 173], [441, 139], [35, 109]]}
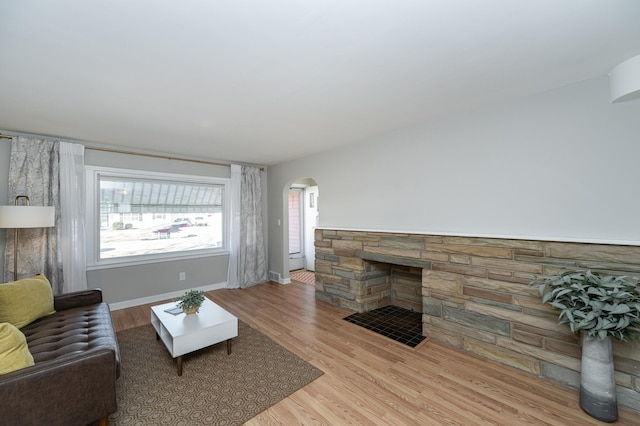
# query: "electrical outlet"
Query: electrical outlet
{"points": [[182, 276]]}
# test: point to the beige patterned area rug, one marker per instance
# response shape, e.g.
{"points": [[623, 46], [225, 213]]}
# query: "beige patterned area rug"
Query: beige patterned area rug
{"points": [[214, 389]]}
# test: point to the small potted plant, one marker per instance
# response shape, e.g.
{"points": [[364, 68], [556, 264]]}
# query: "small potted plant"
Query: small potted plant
{"points": [[191, 301], [601, 307]]}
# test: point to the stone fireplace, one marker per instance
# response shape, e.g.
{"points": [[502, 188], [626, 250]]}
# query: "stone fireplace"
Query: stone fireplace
{"points": [[473, 294], [376, 281]]}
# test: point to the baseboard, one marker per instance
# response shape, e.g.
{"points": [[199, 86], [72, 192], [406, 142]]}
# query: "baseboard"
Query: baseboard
{"points": [[275, 276], [158, 297]]}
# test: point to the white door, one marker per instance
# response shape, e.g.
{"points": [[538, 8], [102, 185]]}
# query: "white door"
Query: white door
{"points": [[296, 234], [310, 224]]}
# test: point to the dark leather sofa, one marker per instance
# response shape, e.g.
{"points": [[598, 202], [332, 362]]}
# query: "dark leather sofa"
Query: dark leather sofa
{"points": [[77, 362]]}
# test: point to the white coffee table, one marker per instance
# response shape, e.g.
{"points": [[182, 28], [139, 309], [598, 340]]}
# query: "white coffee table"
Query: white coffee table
{"points": [[182, 333]]}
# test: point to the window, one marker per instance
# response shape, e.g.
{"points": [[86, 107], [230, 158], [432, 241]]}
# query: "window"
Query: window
{"points": [[144, 216]]}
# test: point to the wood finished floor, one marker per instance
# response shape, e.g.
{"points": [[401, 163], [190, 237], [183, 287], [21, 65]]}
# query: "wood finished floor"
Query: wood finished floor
{"points": [[372, 380]]}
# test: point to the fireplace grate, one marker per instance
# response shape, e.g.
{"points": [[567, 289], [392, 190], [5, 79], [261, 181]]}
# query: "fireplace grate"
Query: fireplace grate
{"points": [[399, 324]]}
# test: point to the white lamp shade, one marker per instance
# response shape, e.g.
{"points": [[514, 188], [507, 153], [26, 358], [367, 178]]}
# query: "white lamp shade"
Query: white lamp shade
{"points": [[27, 216], [625, 80]]}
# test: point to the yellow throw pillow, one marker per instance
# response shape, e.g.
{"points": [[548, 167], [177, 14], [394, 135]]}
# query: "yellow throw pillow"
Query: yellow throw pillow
{"points": [[26, 300], [14, 352]]}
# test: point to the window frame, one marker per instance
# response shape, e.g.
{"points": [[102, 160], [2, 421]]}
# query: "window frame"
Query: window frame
{"points": [[92, 216]]}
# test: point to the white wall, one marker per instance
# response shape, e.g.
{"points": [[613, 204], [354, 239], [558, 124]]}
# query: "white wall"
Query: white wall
{"points": [[562, 165]]}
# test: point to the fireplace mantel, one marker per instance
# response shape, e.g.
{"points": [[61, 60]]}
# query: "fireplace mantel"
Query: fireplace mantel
{"points": [[395, 260]]}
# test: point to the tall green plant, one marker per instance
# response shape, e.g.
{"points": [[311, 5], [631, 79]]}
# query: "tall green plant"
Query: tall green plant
{"points": [[599, 305]]}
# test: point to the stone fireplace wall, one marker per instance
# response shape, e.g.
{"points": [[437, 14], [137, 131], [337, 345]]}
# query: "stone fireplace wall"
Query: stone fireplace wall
{"points": [[405, 286], [475, 294]]}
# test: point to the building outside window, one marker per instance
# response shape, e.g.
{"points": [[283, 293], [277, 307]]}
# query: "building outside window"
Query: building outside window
{"points": [[144, 216]]}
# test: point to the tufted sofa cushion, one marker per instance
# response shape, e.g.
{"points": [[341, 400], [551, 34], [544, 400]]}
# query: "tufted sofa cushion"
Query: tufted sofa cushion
{"points": [[72, 331]]}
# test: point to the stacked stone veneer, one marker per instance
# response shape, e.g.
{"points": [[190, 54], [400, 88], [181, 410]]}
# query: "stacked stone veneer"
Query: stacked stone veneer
{"points": [[475, 294]]}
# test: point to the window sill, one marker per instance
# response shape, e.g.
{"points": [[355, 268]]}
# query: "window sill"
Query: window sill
{"points": [[175, 258]]}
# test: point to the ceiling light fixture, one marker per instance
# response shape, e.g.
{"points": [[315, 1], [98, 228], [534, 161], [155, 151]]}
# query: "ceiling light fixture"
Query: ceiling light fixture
{"points": [[625, 80]]}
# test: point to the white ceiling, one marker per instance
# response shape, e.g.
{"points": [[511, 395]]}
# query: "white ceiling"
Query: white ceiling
{"points": [[265, 81]]}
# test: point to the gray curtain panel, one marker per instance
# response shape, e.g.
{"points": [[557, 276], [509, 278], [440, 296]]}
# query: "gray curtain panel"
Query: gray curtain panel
{"points": [[34, 172], [253, 259]]}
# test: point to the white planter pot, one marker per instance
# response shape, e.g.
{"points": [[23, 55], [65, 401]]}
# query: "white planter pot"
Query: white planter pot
{"points": [[597, 380]]}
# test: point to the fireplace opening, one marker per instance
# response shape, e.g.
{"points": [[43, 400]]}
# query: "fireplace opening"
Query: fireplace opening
{"points": [[400, 324], [392, 302]]}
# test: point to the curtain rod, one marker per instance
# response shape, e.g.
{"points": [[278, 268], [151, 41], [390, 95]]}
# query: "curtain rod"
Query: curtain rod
{"points": [[164, 157]]}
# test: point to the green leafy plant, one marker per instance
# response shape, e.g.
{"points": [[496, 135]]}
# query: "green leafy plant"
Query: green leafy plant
{"points": [[191, 300], [599, 305]]}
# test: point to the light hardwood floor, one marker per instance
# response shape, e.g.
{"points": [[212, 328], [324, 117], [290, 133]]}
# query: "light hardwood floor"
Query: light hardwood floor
{"points": [[369, 379]]}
